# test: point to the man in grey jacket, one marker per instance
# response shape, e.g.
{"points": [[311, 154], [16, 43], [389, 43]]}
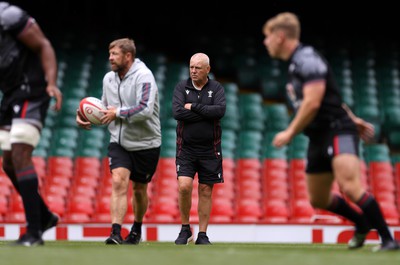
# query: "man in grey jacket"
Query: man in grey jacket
{"points": [[131, 96]]}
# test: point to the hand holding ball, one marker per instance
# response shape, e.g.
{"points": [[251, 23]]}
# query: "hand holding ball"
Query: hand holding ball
{"points": [[90, 108]]}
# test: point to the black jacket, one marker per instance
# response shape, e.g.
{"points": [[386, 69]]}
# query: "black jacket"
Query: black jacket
{"points": [[199, 130]]}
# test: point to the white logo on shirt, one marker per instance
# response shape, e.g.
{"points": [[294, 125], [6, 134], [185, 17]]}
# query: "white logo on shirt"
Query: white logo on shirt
{"points": [[210, 94], [330, 150], [187, 92], [16, 108]]}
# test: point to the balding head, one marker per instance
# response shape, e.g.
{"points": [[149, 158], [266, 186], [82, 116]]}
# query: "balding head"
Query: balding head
{"points": [[199, 69], [200, 58]]}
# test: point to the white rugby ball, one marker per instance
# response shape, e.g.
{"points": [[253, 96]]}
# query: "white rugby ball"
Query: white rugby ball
{"points": [[90, 109]]}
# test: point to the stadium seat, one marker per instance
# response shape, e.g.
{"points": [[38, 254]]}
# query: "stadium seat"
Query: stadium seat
{"points": [[79, 209], [102, 212], [224, 190], [275, 211], [3, 207], [16, 213], [222, 210], [87, 167], [56, 203], [164, 209], [301, 211], [248, 211], [60, 166], [6, 186]]}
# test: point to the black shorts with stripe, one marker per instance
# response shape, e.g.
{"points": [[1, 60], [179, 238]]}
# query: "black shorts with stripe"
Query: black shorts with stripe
{"points": [[323, 147], [142, 163], [21, 106]]}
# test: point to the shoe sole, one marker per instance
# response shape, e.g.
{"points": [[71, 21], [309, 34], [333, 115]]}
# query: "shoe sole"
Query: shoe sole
{"points": [[208, 243], [111, 241], [27, 244]]}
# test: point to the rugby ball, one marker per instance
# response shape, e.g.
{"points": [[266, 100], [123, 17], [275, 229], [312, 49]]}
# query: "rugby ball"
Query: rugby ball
{"points": [[90, 108]]}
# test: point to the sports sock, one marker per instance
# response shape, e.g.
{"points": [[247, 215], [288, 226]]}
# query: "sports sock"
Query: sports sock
{"points": [[28, 188], [372, 211], [185, 226], [341, 207], [137, 227], [116, 229], [44, 210]]}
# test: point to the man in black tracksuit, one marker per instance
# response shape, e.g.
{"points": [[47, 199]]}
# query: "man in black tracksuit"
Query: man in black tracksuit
{"points": [[198, 105]]}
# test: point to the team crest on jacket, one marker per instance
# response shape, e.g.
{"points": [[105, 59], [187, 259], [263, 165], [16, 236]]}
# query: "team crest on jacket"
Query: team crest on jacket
{"points": [[210, 93], [187, 91]]}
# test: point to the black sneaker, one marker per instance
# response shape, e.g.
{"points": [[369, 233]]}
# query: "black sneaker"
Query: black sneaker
{"points": [[28, 240], [388, 246], [52, 222], [202, 240], [357, 240], [114, 239], [133, 238], [185, 236]]}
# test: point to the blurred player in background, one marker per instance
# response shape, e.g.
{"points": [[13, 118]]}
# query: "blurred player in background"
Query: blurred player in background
{"points": [[332, 129], [131, 95], [28, 76]]}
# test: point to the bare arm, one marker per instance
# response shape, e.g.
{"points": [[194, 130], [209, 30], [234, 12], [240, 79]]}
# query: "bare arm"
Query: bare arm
{"points": [[312, 98], [34, 39], [365, 129]]}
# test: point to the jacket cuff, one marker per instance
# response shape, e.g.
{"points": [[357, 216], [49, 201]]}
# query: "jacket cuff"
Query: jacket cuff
{"points": [[118, 112]]}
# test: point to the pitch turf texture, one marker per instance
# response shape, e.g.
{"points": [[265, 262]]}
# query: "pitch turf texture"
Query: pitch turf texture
{"points": [[162, 253]]}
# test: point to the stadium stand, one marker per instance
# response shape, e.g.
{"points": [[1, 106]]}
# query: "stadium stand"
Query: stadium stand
{"points": [[263, 184]]}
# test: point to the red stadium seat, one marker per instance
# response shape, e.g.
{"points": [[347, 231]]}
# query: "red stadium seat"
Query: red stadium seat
{"points": [[164, 209], [87, 167], [3, 206], [301, 211], [80, 204], [16, 213], [275, 211], [60, 166], [56, 203], [248, 211], [40, 165], [222, 210]]}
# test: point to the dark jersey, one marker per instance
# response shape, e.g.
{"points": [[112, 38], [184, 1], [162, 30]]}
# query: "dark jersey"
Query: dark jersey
{"points": [[305, 66], [199, 129], [19, 66]]}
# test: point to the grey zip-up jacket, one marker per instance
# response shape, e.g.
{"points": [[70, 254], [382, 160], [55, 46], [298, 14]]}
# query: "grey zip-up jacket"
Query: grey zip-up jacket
{"points": [[136, 97]]}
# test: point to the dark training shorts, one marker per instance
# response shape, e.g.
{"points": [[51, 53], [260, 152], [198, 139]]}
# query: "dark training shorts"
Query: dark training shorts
{"points": [[324, 147], [142, 163], [209, 170], [32, 110]]}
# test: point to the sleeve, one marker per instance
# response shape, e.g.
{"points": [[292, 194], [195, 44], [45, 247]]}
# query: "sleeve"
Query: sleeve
{"points": [[15, 20], [178, 105], [215, 111], [313, 68], [103, 95], [146, 91]]}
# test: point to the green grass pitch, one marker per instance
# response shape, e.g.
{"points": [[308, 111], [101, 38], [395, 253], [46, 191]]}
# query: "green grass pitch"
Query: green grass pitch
{"points": [[166, 253]]}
